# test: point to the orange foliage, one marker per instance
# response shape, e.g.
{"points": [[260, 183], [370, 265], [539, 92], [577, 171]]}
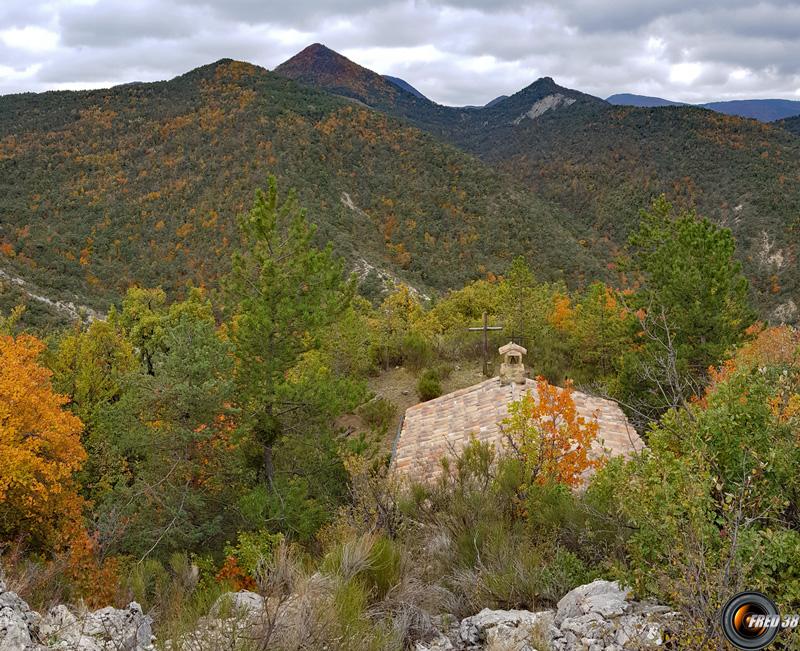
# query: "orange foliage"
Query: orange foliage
{"points": [[40, 448], [562, 314], [232, 574], [184, 229], [768, 346], [93, 579], [401, 256], [549, 436]]}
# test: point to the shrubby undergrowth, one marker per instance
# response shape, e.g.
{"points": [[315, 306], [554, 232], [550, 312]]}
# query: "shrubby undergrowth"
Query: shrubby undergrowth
{"points": [[231, 443]]}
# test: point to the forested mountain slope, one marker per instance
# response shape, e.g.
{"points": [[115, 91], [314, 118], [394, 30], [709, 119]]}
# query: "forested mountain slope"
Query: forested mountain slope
{"points": [[604, 163], [141, 184], [791, 124]]}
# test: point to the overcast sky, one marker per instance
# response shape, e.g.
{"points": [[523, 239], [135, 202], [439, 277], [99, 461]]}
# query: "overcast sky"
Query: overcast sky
{"points": [[454, 51]]}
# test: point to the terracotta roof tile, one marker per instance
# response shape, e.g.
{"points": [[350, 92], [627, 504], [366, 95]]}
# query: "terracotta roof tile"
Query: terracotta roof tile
{"points": [[431, 428]]}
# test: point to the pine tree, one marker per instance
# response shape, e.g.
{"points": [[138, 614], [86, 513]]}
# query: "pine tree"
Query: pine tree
{"points": [[282, 293], [691, 302]]}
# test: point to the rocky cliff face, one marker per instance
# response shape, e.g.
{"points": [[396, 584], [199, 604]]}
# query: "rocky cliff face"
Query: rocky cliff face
{"points": [[594, 617]]}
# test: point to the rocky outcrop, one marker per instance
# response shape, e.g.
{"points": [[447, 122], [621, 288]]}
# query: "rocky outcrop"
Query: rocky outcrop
{"points": [[234, 618], [599, 616], [19, 625], [107, 629], [547, 103]]}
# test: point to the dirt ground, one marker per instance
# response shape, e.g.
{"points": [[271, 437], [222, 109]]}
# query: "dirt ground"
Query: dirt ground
{"points": [[400, 386]]}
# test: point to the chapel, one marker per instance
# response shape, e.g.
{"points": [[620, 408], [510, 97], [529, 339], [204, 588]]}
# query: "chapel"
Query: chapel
{"points": [[440, 427]]}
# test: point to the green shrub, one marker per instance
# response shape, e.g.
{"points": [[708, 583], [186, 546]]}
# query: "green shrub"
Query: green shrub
{"points": [[443, 370], [429, 386], [377, 414], [373, 562], [253, 549], [354, 629], [416, 350], [148, 581], [510, 571]]}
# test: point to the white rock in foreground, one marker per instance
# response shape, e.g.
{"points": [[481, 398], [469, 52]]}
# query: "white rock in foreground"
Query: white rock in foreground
{"points": [[599, 616], [17, 622], [507, 626], [605, 598], [107, 629]]}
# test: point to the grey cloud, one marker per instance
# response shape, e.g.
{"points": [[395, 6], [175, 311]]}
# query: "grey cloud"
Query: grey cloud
{"points": [[297, 13], [455, 51], [109, 25]]}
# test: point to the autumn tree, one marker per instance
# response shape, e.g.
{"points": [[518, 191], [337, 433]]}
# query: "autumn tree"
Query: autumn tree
{"points": [[525, 308], [399, 319], [40, 448], [88, 363], [599, 332], [545, 431]]}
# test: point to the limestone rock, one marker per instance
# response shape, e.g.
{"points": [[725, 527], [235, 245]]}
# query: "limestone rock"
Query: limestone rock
{"points": [[599, 616], [245, 603], [232, 619], [439, 643], [604, 598], [19, 625], [106, 629], [512, 629]]}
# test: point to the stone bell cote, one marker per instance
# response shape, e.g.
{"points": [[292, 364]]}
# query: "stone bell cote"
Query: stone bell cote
{"points": [[511, 368]]}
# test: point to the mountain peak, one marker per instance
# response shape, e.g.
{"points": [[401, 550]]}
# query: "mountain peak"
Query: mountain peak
{"points": [[318, 52], [225, 68], [319, 66]]}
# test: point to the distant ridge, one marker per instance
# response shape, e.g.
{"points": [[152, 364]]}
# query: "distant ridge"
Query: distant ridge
{"points": [[495, 101], [764, 110], [644, 101], [402, 83]]}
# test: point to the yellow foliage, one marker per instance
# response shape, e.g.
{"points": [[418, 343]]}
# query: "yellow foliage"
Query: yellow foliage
{"points": [[40, 448], [562, 314]]}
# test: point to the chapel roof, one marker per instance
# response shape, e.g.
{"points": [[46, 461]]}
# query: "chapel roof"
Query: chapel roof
{"points": [[439, 427]]}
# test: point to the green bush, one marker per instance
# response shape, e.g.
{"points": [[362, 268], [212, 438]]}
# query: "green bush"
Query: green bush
{"points": [[148, 582], [429, 386], [253, 549], [373, 562], [377, 414], [510, 570], [443, 370], [416, 351]]}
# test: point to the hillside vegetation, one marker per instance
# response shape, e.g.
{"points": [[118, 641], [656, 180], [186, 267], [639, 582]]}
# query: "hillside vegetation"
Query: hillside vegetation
{"points": [[604, 163], [181, 448], [140, 184]]}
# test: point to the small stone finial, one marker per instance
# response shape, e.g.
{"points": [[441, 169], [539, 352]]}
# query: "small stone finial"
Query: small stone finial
{"points": [[512, 369]]}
